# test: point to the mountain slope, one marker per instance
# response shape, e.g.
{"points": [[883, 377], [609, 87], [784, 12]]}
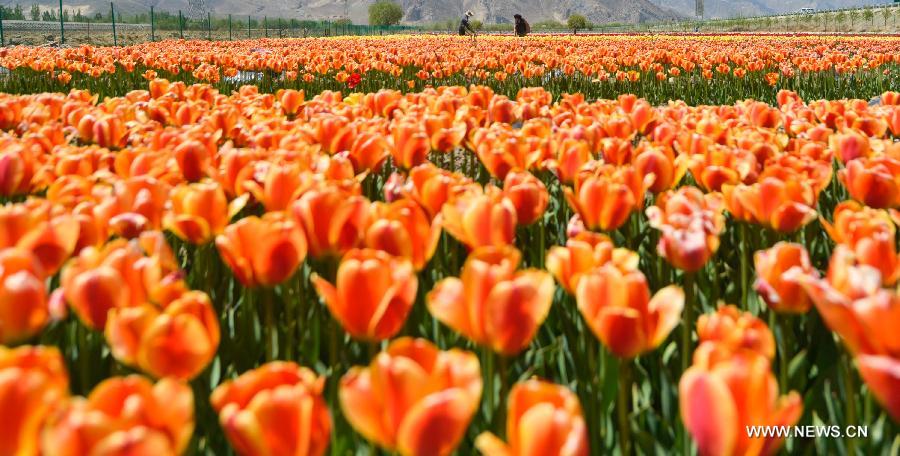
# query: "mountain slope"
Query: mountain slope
{"points": [[416, 11], [746, 8]]}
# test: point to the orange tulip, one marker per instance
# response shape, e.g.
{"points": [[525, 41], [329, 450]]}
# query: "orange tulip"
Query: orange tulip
{"points": [[617, 307], [721, 396], [124, 415], [134, 205], [17, 166], [571, 155], [480, 218], [719, 165], [605, 196], [445, 133], [413, 398], [784, 206], [368, 152], [431, 187], [334, 219], [542, 419], [874, 182], [177, 341], [880, 374], [200, 211], [276, 409], [23, 296], [121, 274], [729, 330], [492, 304], [278, 184], [194, 158], [660, 162], [262, 251], [690, 223], [41, 228], [528, 194], [780, 292], [502, 149], [402, 228], [373, 294], [583, 253], [870, 234], [849, 145], [410, 144], [33, 381], [853, 304], [291, 100]]}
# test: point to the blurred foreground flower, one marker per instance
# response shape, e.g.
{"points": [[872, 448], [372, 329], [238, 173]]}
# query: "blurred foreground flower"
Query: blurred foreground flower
{"points": [[413, 398]]}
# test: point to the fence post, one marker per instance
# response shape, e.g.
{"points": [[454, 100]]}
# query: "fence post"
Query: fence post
{"points": [[180, 25], [152, 25], [266, 25], [229, 27], [112, 15], [248, 28], [2, 41], [62, 29], [209, 26], [280, 35]]}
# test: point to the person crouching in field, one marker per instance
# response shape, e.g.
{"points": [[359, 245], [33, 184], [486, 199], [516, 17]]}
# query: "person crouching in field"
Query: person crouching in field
{"points": [[464, 26], [522, 26]]}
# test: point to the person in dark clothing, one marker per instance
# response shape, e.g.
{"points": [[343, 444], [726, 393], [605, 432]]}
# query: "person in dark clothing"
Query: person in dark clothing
{"points": [[522, 26], [464, 26]]}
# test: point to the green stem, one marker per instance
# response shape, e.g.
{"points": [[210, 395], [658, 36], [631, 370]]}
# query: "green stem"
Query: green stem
{"points": [[688, 328], [271, 330], [849, 391], [686, 344], [624, 405], [745, 267], [488, 356]]}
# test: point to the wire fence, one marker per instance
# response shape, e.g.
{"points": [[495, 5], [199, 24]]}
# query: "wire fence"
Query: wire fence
{"points": [[114, 28], [65, 27]]}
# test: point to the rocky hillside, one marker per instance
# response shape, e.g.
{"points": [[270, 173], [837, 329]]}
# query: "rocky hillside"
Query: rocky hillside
{"points": [[417, 11], [746, 8]]}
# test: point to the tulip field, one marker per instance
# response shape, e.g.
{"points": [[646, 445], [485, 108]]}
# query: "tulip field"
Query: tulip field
{"points": [[433, 245]]}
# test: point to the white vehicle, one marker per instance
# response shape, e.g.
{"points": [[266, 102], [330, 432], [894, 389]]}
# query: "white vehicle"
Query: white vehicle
{"points": [[807, 10]]}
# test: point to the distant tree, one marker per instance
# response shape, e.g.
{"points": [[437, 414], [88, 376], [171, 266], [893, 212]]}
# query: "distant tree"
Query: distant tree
{"points": [[98, 16], [35, 12], [839, 19], [17, 12], [46, 16], [886, 14], [78, 16], [575, 22], [65, 15], [869, 15], [854, 15], [385, 12], [807, 20]]}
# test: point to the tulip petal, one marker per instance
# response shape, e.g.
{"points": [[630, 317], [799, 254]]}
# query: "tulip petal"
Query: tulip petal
{"points": [[708, 412], [882, 375], [435, 425]]}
